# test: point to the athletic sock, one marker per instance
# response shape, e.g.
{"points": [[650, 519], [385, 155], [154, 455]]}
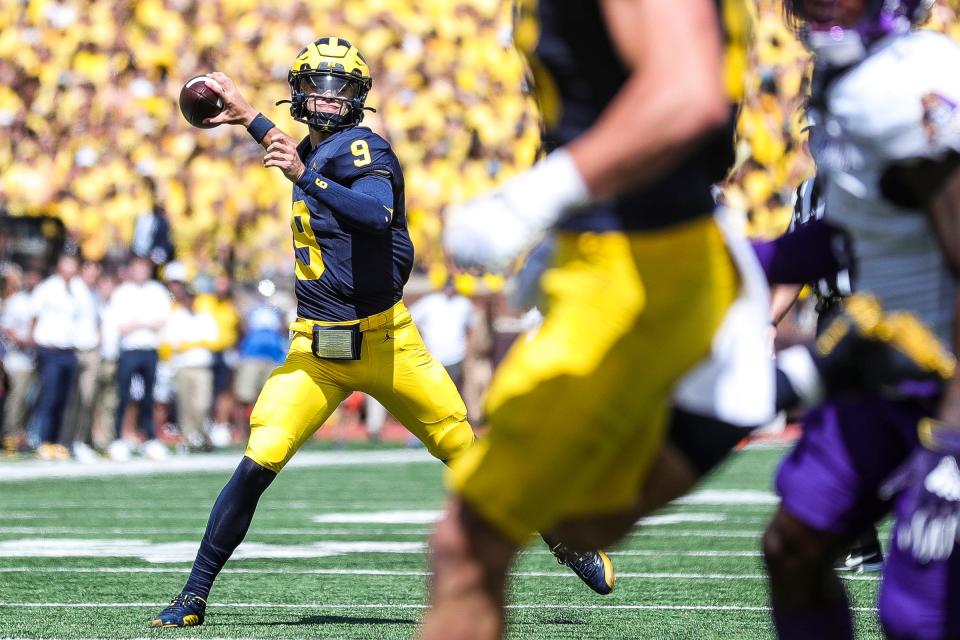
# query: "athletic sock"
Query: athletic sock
{"points": [[228, 524]]}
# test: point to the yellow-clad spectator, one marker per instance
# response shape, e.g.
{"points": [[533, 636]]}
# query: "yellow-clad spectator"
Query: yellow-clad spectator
{"points": [[88, 107]]}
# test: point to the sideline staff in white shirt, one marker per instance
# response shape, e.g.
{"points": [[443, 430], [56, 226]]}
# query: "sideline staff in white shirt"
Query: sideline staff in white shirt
{"points": [[55, 306], [445, 319], [140, 307]]}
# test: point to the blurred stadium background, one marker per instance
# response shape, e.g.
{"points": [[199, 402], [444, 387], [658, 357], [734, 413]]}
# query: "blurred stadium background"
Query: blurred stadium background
{"points": [[88, 106], [90, 135]]}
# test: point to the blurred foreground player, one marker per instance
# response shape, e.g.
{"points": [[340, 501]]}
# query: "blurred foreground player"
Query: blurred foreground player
{"points": [[886, 149], [866, 554], [353, 332], [632, 92]]}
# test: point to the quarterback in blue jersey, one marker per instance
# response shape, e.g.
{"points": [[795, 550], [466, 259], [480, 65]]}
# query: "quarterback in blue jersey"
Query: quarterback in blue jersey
{"points": [[352, 333]]}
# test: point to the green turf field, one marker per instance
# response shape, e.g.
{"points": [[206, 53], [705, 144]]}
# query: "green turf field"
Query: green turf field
{"points": [[337, 552]]}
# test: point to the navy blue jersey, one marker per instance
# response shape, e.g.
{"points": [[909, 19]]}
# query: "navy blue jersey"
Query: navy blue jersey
{"points": [[345, 273], [577, 72]]}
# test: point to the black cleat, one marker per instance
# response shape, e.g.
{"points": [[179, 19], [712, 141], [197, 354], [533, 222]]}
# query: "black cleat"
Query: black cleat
{"points": [[186, 610], [593, 567]]}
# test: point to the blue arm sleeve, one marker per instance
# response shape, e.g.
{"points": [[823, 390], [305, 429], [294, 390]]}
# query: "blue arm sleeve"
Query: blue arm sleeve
{"points": [[366, 205]]}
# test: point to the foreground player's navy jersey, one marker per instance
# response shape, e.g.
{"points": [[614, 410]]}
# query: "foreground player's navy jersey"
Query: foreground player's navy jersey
{"points": [[345, 273], [577, 73]]}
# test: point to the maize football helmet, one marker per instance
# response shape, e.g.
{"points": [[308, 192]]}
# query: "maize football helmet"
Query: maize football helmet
{"points": [[329, 82]]}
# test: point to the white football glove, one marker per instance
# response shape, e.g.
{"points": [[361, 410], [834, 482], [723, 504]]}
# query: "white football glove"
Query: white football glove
{"points": [[491, 231]]}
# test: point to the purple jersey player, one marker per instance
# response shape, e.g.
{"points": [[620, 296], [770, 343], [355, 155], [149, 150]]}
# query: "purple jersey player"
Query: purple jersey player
{"points": [[886, 149]]}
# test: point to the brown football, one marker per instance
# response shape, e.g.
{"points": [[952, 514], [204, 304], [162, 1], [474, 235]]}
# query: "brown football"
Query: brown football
{"points": [[199, 102]]}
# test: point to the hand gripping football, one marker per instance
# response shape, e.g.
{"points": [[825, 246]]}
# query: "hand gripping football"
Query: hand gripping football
{"points": [[199, 102]]}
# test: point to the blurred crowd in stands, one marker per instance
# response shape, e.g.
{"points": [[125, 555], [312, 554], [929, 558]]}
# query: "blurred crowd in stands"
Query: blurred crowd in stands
{"points": [[101, 359], [88, 95], [90, 133]]}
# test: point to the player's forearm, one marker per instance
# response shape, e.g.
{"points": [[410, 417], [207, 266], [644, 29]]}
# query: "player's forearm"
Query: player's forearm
{"points": [[674, 97], [258, 125], [367, 206], [782, 299], [642, 136]]}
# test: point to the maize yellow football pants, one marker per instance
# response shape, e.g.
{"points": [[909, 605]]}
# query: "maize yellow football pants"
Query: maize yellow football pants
{"points": [[394, 367], [578, 409]]}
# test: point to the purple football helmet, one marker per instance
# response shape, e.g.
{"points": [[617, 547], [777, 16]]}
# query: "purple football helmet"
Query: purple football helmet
{"points": [[839, 32]]}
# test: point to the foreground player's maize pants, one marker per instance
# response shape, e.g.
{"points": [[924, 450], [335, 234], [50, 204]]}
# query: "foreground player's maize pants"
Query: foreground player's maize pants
{"points": [[578, 409]]}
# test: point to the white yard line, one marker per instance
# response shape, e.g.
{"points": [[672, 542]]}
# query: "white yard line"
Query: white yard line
{"points": [[360, 531], [367, 605], [723, 577], [42, 531], [276, 505], [38, 469], [177, 551]]}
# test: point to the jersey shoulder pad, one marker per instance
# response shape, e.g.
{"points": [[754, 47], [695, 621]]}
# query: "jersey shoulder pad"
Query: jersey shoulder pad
{"points": [[362, 152]]}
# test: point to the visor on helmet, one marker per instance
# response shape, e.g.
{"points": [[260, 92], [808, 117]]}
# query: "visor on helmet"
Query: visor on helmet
{"points": [[329, 86]]}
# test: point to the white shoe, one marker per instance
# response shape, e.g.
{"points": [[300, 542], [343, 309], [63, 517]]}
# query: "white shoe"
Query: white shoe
{"points": [[118, 451], [154, 450], [220, 435], [82, 452]]}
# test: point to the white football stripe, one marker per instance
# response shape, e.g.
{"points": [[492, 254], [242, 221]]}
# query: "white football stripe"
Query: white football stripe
{"points": [[198, 530], [380, 517], [679, 518], [427, 517], [729, 497], [186, 551], [366, 605], [213, 462], [319, 532], [391, 572]]}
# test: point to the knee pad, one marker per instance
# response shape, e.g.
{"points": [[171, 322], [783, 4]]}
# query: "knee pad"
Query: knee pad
{"points": [[452, 442], [270, 447]]}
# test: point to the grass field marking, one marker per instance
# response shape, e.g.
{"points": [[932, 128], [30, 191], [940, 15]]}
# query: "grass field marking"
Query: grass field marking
{"points": [[392, 572], [272, 505], [185, 551], [430, 516], [367, 605], [653, 553], [360, 531], [737, 497], [204, 463], [697, 533], [199, 531]]}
